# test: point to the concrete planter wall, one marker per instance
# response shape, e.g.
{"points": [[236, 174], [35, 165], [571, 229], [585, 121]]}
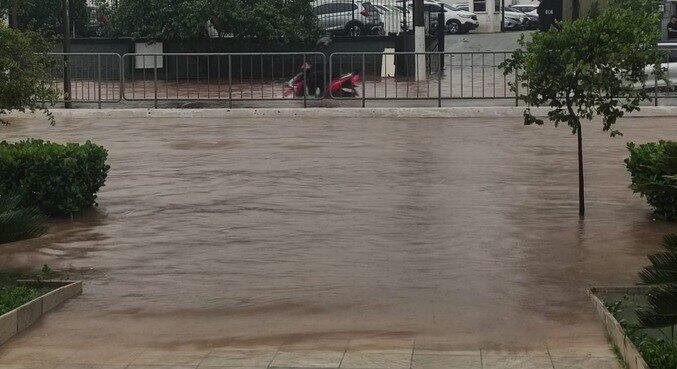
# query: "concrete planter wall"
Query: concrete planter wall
{"points": [[25, 315], [626, 348]]}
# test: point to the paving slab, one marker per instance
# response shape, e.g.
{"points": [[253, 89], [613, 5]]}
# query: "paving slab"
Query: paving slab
{"points": [[444, 361], [393, 359], [90, 366], [591, 351], [160, 367], [104, 356], [307, 359], [34, 355], [586, 363], [235, 357], [516, 362], [153, 357]]}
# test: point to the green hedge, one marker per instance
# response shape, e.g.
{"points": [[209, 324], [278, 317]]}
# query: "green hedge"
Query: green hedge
{"points": [[58, 179], [18, 223], [653, 168]]}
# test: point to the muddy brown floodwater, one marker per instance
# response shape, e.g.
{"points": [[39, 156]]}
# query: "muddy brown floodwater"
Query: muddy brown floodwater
{"points": [[451, 232]]}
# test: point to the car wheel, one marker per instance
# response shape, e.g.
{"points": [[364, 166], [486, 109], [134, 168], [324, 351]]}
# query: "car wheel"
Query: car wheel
{"points": [[454, 27], [354, 29]]}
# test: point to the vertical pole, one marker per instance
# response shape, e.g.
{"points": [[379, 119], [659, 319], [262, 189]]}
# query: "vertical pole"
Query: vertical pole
{"points": [[364, 83], [581, 178], [439, 79], [230, 81], [155, 79], [98, 77], [517, 88], [419, 40], [305, 83], [655, 89], [66, 50]]}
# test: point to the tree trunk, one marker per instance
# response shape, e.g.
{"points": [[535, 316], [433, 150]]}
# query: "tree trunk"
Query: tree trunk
{"points": [[581, 179]]}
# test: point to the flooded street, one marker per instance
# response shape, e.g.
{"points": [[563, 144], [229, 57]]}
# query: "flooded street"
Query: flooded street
{"points": [[451, 232]]}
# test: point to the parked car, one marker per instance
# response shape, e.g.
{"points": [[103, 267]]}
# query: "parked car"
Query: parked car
{"points": [[455, 20], [515, 20], [392, 18], [531, 19], [527, 8], [458, 20], [353, 18], [512, 23]]}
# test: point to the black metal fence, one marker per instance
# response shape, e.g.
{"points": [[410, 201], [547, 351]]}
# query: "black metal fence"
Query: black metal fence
{"points": [[299, 76]]}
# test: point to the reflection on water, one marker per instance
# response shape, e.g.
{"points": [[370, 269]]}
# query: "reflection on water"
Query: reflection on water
{"points": [[463, 232]]}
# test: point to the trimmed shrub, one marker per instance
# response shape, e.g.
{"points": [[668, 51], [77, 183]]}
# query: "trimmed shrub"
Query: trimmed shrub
{"points": [[13, 297], [58, 179], [653, 168], [17, 223]]}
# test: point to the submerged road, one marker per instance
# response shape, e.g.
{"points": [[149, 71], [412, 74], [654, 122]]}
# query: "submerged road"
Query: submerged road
{"points": [[453, 233]]}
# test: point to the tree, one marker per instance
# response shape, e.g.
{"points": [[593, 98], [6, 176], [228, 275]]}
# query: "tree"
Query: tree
{"points": [[44, 16], [159, 20], [23, 73], [594, 66]]}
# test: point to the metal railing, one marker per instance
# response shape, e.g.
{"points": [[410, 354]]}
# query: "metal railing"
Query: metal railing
{"points": [[220, 77], [666, 87], [240, 77], [94, 77], [426, 76]]}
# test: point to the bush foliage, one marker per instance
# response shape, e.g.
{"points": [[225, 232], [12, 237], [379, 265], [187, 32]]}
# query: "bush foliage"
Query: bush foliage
{"points": [[18, 223], [22, 82], [58, 179], [13, 297], [45, 16], [158, 20], [653, 168]]}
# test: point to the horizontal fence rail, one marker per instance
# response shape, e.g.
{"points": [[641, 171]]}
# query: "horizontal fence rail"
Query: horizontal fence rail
{"points": [[426, 76], [94, 77], [301, 76], [221, 77]]}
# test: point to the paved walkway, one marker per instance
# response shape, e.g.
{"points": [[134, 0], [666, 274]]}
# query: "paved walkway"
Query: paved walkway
{"points": [[215, 234], [270, 357]]}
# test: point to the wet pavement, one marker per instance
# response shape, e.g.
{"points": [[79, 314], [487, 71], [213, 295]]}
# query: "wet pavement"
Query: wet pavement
{"points": [[382, 234]]}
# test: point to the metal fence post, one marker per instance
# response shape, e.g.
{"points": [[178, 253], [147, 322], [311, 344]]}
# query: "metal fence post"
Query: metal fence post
{"points": [[655, 89], [364, 82], [230, 81], [439, 79], [517, 88], [305, 82], [98, 77], [155, 78]]}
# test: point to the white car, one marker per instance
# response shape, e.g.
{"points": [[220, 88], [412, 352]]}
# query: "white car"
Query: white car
{"points": [[455, 20], [515, 20], [393, 18], [527, 8]]}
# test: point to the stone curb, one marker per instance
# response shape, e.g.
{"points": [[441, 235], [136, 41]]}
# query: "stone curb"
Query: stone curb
{"points": [[452, 112], [626, 348], [17, 320]]}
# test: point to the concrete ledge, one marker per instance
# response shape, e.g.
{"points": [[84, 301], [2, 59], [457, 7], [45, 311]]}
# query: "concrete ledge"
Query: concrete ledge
{"points": [[8, 326], [28, 314], [59, 295], [626, 348], [452, 112], [25, 315]]}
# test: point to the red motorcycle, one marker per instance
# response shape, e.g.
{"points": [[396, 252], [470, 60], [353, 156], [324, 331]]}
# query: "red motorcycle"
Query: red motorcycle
{"points": [[342, 85]]}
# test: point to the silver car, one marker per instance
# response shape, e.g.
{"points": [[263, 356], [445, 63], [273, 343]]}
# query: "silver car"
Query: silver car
{"points": [[354, 18]]}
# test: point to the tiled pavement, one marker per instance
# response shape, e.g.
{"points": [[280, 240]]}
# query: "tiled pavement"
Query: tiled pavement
{"points": [[284, 358]]}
